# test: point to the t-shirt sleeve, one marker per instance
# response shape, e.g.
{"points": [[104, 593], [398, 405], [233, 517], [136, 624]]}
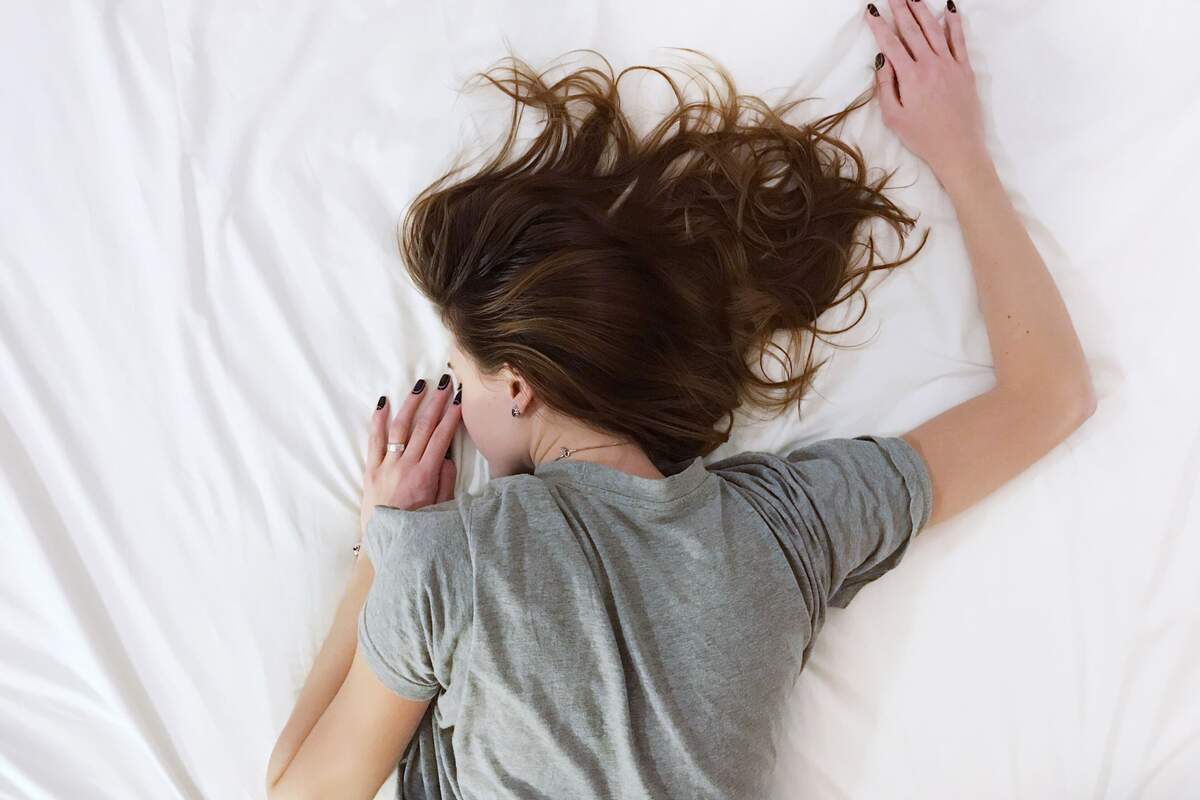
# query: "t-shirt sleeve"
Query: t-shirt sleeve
{"points": [[418, 612], [851, 505]]}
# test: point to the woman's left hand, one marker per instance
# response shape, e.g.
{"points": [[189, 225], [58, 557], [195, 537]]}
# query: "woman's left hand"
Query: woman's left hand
{"points": [[422, 474], [926, 86]]}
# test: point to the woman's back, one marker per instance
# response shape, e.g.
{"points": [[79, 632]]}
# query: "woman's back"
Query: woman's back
{"points": [[590, 633]]}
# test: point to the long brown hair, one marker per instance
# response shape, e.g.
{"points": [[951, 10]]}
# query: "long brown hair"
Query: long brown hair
{"points": [[633, 280]]}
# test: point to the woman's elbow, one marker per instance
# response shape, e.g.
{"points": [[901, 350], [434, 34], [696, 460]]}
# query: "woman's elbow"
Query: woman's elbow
{"points": [[1085, 403], [1076, 399]]}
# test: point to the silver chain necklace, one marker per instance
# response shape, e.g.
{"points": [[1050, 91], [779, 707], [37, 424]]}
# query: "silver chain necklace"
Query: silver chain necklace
{"points": [[563, 452]]}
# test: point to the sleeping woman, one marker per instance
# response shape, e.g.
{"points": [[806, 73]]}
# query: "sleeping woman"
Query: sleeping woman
{"points": [[610, 616]]}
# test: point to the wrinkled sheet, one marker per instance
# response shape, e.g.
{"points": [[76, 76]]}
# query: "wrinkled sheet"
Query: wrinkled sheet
{"points": [[200, 301]]}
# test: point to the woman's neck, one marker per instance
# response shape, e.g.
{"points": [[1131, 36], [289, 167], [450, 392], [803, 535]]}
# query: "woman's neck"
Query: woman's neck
{"points": [[626, 456]]}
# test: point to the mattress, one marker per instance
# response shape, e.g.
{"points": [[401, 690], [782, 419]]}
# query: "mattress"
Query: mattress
{"points": [[201, 300]]}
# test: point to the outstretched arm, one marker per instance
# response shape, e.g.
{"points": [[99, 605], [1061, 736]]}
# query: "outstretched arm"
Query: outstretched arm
{"points": [[1044, 391]]}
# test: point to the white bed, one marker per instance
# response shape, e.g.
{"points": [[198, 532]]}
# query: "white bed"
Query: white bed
{"points": [[200, 301]]}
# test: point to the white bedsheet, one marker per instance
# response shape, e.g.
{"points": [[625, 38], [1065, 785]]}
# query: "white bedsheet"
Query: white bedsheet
{"points": [[200, 302]]}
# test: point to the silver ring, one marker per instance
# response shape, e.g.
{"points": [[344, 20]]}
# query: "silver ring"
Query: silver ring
{"points": [[395, 447]]}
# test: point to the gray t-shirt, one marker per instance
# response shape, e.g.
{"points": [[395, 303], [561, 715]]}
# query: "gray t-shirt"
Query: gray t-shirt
{"points": [[588, 633]]}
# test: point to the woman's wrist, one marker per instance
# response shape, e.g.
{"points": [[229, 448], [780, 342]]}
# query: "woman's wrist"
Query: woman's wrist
{"points": [[967, 172]]}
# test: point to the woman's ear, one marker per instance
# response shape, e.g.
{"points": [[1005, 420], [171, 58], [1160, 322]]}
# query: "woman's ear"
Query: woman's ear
{"points": [[520, 393]]}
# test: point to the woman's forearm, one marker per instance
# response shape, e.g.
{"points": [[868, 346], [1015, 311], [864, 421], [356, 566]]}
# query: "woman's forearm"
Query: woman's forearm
{"points": [[1034, 345], [328, 671]]}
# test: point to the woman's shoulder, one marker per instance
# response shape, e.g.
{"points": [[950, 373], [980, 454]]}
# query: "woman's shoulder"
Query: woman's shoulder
{"points": [[449, 525], [436, 531], [450, 513]]}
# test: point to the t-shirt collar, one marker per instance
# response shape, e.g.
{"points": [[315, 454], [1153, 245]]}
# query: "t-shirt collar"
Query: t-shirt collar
{"points": [[681, 477]]}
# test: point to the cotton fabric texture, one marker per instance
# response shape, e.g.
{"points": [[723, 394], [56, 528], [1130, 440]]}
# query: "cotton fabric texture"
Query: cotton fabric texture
{"points": [[587, 633]]}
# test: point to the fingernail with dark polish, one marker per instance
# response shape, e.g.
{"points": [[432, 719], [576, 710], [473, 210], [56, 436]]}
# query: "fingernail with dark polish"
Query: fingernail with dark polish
{"points": [[445, 381], [382, 400], [950, 6], [419, 386], [458, 396], [879, 61], [874, 11]]}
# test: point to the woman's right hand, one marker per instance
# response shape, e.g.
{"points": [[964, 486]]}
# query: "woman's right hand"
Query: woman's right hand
{"points": [[926, 87]]}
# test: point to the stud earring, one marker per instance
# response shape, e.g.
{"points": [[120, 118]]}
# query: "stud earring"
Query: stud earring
{"points": [[515, 412]]}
